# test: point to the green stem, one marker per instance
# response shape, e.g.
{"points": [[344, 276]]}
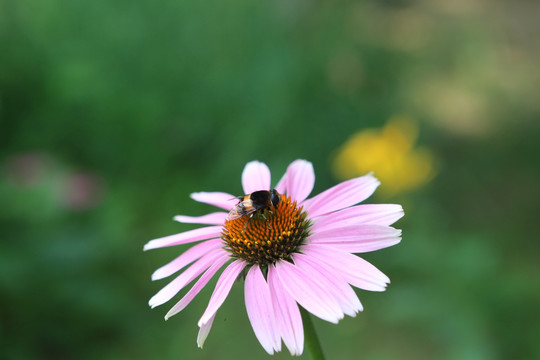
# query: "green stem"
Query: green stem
{"points": [[310, 336]]}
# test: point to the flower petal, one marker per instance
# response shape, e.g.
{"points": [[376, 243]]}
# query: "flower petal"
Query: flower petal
{"points": [[309, 292], [190, 255], [256, 176], [358, 238], [217, 218], [333, 281], [287, 313], [186, 277], [377, 214], [281, 186], [199, 285], [186, 237], [222, 289], [298, 180], [204, 331], [220, 199], [261, 311], [355, 270], [343, 195]]}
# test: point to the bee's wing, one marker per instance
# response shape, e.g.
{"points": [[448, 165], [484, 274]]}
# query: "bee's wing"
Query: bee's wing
{"points": [[243, 208], [235, 214]]}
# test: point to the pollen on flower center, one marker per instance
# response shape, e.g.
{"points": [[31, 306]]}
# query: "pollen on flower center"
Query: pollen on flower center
{"points": [[269, 235]]}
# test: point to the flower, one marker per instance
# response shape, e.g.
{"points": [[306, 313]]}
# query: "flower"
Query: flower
{"points": [[390, 153], [298, 252]]}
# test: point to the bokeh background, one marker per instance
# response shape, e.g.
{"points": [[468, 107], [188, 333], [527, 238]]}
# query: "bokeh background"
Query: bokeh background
{"points": [[113, 112]]}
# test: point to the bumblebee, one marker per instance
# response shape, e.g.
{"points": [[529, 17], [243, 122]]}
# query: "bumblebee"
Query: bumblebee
{"points": [[256, 201]]}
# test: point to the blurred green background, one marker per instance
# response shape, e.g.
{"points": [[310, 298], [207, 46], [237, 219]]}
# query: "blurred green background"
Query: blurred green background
{"points": [[113, 112]]}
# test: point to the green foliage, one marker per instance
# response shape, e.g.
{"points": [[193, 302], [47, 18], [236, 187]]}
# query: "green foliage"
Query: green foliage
{"points": [[113, 112]]}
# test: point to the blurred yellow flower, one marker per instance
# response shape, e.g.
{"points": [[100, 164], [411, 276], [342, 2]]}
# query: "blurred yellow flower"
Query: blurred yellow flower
{"points": [[389, 153]]}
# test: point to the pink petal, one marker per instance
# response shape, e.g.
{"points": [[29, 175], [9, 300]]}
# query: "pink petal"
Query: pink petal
{"points": [[222, 289], [332, 281], [256, 176], [199, 285], [298, 180], [287, 314], [185, 237], [343, 195], [358, 238], [355, 270], [261, 311], [217, 218], [219, 199], [186, 277], [204, 331], [190, 255], [281, 186], [377, 214], [309, 292]]}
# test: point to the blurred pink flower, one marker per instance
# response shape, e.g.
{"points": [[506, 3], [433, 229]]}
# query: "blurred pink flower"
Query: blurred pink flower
{"points": [[25, 170], [81, 191], [74, 191], [300, 252]]}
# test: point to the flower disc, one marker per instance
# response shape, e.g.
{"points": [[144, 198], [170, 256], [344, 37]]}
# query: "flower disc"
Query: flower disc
{"points": [[268, 235]]}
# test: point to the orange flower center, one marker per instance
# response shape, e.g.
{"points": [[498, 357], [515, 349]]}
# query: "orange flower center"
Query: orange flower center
{"points": [[267, 235]]}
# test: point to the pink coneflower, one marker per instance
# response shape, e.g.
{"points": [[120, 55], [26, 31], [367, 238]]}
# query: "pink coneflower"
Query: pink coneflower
{"points": [[298, 252]]}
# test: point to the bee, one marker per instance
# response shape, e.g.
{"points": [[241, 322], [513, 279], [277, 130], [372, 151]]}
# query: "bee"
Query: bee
{"points": [[256, 201]]}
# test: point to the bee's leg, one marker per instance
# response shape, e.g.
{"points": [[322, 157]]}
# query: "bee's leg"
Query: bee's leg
{"points": [[265, 218], [247, 222]]}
